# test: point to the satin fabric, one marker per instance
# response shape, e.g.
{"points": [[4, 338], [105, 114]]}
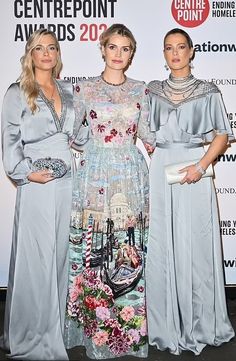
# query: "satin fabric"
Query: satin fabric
{"points": [[186, 305], [38, 274]]}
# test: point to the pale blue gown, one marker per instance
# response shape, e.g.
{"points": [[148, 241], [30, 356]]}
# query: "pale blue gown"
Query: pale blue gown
{"points": [[38, 274], [184, 276], [111, 183]]}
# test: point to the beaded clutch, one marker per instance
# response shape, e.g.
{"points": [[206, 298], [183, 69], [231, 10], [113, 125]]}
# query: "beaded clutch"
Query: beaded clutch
{"points": [[57, 166]]}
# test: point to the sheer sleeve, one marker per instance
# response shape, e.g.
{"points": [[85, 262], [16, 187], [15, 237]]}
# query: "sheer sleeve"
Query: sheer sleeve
{"points": [[16, 165], [144, 132], [81, 130]]}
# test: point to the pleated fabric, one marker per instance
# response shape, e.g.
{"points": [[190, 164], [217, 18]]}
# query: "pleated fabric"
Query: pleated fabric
{"points": [[186, 304], [38, 276]]}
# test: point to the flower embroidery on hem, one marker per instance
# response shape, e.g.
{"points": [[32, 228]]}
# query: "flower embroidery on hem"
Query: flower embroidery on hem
{"points": [[91, 304]]}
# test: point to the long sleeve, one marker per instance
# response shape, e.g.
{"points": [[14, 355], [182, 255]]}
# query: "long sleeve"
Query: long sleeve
{"points": [[16, 165], [81, 128], [144, 132]]}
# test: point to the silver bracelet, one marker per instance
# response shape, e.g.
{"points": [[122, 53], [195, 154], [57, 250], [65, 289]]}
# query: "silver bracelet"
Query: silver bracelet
{"points": [[200, 169]]}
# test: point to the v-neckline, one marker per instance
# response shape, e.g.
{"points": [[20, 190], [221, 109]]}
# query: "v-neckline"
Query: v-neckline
{"points": [[58, 118]]}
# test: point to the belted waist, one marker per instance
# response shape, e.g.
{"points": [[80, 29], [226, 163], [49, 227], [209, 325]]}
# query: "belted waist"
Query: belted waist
{"points": [[178, 145]]}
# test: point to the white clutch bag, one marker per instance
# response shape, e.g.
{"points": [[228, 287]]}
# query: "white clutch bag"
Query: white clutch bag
{"points": [[173, 175]]}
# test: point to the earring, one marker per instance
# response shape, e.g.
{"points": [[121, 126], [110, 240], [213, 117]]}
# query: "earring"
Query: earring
{"points": [[166, 67], [191, 65]]}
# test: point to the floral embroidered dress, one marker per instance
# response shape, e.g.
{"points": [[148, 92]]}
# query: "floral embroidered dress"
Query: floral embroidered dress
{"points": [[106, 301]]}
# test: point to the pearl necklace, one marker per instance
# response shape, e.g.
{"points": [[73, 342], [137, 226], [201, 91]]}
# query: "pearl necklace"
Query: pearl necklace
{"points": [[176, 89], [107, 82]]}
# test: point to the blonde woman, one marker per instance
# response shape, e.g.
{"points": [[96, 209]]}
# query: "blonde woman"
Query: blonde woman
{"points": [[111, 183], [37, 123]]}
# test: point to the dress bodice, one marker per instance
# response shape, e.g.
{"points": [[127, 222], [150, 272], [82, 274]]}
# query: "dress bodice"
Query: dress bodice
{"points": [[196, 118], [21, 128], [115, 115]]}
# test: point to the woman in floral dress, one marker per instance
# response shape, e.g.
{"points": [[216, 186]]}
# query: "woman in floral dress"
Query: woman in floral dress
{"points": [[106, 301]]}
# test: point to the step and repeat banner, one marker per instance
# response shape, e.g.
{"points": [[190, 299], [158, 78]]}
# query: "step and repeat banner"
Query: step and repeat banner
{"points": [[78, 25]]}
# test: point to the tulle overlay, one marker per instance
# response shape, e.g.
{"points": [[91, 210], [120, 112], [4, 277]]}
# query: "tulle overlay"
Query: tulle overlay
{"points": [[106, 301]]}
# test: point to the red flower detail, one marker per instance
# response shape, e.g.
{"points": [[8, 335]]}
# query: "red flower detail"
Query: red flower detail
{"points": [[128, 131], [114, 132], [90, 302], [74, 266], [140, 288], [93, 114], [146, 91], [134, 128], [102, 303], [77, 88], [101, 191], [138, 106], [101, 128], [108, 138]]}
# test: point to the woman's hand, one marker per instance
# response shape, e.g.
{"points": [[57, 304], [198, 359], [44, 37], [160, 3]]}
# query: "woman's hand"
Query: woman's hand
{"points": [[149, 148], [192, 174], [43, 176]]}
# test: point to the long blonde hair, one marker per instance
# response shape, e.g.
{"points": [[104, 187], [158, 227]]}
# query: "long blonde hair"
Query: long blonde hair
{"points": [[27, 77]]}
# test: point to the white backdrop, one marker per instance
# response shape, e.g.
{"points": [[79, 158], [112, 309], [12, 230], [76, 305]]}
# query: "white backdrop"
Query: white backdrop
{"points": [[78, 24]]}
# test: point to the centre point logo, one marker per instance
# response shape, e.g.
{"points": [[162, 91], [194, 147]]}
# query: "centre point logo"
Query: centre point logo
{"points": [[190, 13]]}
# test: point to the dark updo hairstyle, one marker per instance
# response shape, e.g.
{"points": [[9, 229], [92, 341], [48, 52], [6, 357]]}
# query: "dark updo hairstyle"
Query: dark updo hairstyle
{"points": [[118, 29], [185, 34]]}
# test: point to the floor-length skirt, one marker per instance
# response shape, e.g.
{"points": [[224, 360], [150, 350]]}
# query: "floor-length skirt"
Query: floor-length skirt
{"points": [[38, 276], [184, 276], [106, 303]]}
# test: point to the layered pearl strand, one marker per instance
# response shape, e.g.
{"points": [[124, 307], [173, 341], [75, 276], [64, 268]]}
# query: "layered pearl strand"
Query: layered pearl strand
{"points": [[177, 89]]}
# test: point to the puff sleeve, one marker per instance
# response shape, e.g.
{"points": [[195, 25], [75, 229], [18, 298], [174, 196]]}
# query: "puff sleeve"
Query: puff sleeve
{"points": [[16, 165], [144, 132], [81, 132]]}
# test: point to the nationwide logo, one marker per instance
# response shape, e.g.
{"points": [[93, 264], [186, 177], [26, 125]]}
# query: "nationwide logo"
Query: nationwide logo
{"points": [[229, 263], [190, 13], [226, 158], [209, 47]]}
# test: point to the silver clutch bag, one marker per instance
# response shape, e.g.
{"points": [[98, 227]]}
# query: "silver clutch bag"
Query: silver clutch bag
{"points": [[57, 166], [172, 171]]}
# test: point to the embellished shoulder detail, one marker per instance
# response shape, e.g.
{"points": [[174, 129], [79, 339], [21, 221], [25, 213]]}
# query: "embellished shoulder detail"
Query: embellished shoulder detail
{"points": [[202, 113], [205, 87], [155, 86]]}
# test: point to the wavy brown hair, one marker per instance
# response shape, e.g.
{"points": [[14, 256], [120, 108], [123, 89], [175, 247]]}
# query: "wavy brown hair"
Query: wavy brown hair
{"points": [[27, 77]]}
